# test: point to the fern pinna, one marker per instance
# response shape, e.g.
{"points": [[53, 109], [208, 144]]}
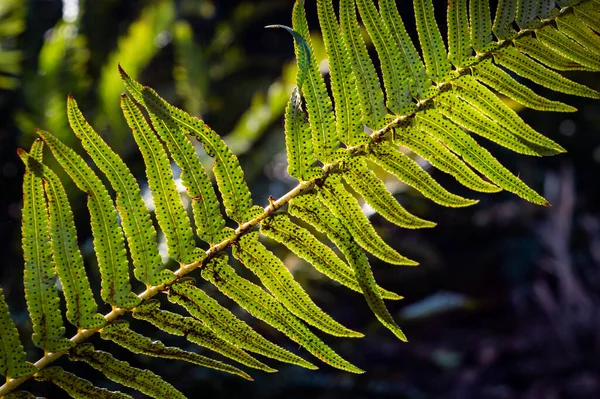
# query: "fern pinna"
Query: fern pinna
{"points": [[433, 103]]}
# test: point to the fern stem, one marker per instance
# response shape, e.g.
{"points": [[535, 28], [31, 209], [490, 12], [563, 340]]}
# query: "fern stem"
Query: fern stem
{"points": [[377, 136]]}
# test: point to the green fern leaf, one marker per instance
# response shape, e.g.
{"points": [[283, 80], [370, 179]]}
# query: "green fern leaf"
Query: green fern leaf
{"points": [[432, 44], [370, 94], [226, 325], [471, 118], [489, 104], [170, 213], [398, 98], [546, 8], [279, 281], [318, 103], [343, 82], [418, 79], [77, 388], [481, 24], [524, 66], [135, 219], [500, 81], [371, 188], [571, 27], [458, 33], [81, 307], [122, 335], [300, 241], [40, 276], [505, 16], [298, 141], [120, 371], [527, 10], [441, 158], [309, 209], [195, 332], [108, 237], [227, 169], [409, 172], [589, 17], [555, 40], [264, 307], [546, 55], [12, 356], [344, 206], [476, 156]]}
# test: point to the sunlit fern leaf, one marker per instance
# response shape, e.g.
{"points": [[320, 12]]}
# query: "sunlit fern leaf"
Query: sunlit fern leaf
{"points": [[481, 24], [227, 169], [226, 325], [439, 156], [370, 94], [205, 205], [505, 16], [121, 372], [108, 236], [489, 104], [546, 55], [570, 49], [81, 306], [500, 81], [298, 141], [300, 241], [39, 277], [318, 102], [573, 28], [459, 47], [418, 80], [76, 387], [280, 282], [264, 307], [588, 16], [169, 210], [344, 206], [432, 44], [343, 82], [471, 118], [308, 208], [366, 183], [195, 332], [409, 172], [311, 211], [135, 219], [479, 158], [12, 356], [526, 67], [398, 98], [122, 335]]}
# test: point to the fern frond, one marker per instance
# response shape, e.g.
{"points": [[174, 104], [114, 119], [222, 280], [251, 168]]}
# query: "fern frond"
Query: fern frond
{"points": [[76, 387], [505, 16], [136, 222], [459, 47], [409, 172], [12, 356], [589, 16], [229, 174], [194, 332], [264, 307], [122, 335], [108, 237], [280, 282], [345, 207], [571, 27], [546, 55], [226, 325], [432, 44], [81, 306], [121, 372], [170, 213], [570, 49], [480, 21], [39, 277]]}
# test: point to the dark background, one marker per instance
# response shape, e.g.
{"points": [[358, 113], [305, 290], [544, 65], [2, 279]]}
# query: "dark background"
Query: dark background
{"points": [[504, 304]]}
